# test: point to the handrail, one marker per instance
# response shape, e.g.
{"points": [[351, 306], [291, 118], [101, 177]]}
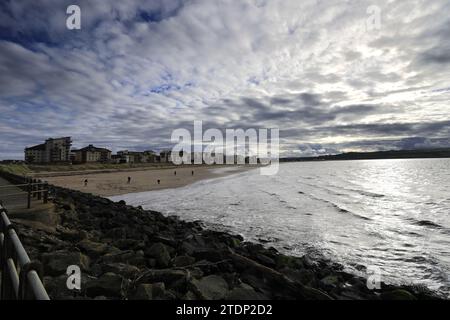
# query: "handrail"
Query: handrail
{"points": [[20, 276], [23, 192], [23, 185], [33, 187]]}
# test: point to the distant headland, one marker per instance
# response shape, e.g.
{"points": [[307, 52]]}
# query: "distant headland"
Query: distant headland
{"points": [[391, 154]]}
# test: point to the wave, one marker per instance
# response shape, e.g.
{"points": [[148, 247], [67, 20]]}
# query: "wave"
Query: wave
{"points": [[366, 193], [427, 223], [336, 206]]}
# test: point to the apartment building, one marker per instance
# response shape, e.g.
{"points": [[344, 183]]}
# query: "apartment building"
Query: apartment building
{"points": [[91, 154], [126, 156], [53, 150]]}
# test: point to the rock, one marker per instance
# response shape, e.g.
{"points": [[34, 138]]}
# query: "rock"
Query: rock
{"points": [[94, 249], [329, 282], [210, 288], [189, 296], [162, 275], [160, 252], [168, 295], [125, 270], [182, 261], [67, 234], [158, 290], [303, 276], [208, 254], [143, 292], [265, 260], [350, 295], [109, 285], [56, 263], [120, 256], [285, 261], [245, 292], [398, 294], [69, 207], [116, 233], [56, 287], [187, 248], [124, 244], [165, 240]]}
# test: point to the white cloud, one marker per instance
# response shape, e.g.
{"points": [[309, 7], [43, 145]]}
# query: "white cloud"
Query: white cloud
{"points": [[138, 69]]}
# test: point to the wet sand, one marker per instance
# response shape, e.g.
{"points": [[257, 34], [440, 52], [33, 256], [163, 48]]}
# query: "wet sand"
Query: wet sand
{"points": [[115, 183]]}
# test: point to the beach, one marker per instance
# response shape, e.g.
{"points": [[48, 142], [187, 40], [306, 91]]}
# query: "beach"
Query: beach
{"points": [[116, 183]]}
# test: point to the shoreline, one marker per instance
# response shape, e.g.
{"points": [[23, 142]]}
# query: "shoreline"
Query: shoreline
{"points": [[108, 184], [126, 252]]}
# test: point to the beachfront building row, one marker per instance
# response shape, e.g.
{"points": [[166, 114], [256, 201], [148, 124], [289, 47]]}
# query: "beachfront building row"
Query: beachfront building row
{"points": [[58, 151], [126, 156]]}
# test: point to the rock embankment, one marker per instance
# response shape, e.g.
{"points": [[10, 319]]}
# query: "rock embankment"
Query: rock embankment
{"points": [[129, 253]]}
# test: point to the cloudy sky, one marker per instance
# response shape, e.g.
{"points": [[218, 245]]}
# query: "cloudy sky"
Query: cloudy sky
{"points": [[324, 72]]}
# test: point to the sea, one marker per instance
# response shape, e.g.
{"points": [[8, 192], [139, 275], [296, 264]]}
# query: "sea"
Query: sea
{"points": [[392, 216]]}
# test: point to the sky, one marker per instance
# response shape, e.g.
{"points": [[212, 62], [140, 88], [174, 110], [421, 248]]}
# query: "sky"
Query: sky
{"points": [[333, 76]]}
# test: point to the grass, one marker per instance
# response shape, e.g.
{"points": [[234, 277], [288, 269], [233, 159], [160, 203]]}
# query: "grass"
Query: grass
{"points": [[19, 169], [92, 166]]}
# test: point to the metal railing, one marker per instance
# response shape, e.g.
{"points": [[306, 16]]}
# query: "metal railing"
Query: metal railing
{"points": [[34, 188], [19, 275]]}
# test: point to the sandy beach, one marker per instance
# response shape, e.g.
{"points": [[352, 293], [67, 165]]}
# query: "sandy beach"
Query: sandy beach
{"points": [[115, 183]]}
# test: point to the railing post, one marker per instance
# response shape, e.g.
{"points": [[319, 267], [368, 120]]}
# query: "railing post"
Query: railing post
{"points": [[34, 188], [45, 192], [29, 195], [39, 188]]}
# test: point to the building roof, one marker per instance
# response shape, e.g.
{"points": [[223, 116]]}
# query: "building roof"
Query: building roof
{"points": [[61, 138], [91, 148], [37, 147]]}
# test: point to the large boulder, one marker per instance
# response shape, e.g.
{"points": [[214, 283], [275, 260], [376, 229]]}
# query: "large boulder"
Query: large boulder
{"points": [[56, 263], [147, 291], [182, 261], [143, 292], [245, 292], [125, 270], [161, 254], [330, 282], [163, 275], [109, 285], [398, 294], [210, 288], [128, 256], [94, 249]]}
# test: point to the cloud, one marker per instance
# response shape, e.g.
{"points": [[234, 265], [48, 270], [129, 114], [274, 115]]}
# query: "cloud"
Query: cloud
{"points": [[139, 69]]}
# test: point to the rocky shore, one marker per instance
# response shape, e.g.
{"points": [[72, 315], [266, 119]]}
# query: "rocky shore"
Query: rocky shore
{"points": [[129, 253]]}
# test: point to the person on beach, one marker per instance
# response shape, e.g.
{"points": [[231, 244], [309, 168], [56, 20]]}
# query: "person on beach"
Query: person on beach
{"points": [[159, 181], [129, 180], [192, 172], [175, 173], [85, 182]]}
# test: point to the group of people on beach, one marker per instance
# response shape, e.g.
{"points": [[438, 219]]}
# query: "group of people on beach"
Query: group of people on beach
{"points": [[129, 179]]}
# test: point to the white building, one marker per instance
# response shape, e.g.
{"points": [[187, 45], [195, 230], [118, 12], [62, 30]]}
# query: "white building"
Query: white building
{"points": [[51, 151]]}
